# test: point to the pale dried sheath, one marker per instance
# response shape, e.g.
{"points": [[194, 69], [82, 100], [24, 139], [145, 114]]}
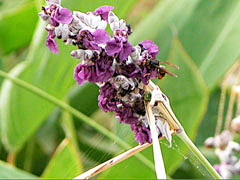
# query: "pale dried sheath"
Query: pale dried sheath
{"points": [[159, 164]]}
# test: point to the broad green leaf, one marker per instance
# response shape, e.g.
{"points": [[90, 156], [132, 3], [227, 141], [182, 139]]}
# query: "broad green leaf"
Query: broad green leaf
{"points": [[9, 172], [22, 112], [210, 119], [50, 72], [50, 134], [188, 97], [65, 163], [208, 30], [17, 25]]}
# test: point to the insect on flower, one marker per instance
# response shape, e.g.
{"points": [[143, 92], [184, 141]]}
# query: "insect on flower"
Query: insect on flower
{"points": [[122, 71]]}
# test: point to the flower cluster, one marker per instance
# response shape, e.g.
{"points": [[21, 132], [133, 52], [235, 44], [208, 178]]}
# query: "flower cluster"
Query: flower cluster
{"points": [[226, 150], [118, 68]]}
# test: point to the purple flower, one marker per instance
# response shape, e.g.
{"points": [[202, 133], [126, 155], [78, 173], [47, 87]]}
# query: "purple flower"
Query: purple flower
{"points": [[62, 15], [151, 47], [119, 45], [148, 73], [142, 134], [51, 43], [106, 99], [101, 36], [114, 46], [129, 70], [126, 115], [91, 40], [99, 71], [103, 11]]}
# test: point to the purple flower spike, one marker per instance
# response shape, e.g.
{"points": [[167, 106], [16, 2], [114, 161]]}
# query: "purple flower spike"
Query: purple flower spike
{"points": [[52, 44], [103, 11], [151, 47], [63, 15], [119, 69]]}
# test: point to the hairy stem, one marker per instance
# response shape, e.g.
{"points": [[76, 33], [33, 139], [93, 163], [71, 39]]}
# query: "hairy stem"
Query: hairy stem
{"points": [[184, 137], [77, 114]]}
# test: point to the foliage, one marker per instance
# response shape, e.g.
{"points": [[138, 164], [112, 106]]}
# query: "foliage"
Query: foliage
{"points": [[200, 36]]}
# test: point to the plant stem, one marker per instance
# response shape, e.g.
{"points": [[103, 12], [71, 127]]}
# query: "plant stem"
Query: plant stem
{"points": [[230, 110], [221, 108], [157, 154], [76, 113], [96, 170], [184, 137]]}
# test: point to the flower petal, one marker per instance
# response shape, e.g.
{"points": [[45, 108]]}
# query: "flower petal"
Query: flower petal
{"points": [[113, 47], [126, 51], [103, 11], [101, 36], [52, 44], [63, 15]]}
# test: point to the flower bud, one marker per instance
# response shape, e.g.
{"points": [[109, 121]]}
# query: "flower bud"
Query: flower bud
{"points": [[209, 142], [235, 125]]}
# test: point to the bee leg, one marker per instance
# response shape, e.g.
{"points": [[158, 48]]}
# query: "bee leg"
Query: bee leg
{"points": [[169, 73], [168, 63]]}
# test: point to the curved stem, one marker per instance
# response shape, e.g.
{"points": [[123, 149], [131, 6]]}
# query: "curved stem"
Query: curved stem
{"points": [[221, 108], [230, 110], [183, 136], [77, 114], [238, 105]]}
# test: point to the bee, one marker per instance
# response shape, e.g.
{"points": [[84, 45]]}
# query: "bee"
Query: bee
{"points": [[162, 71]]}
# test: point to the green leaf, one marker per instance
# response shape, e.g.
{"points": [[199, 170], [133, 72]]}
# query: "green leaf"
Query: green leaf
{"points": [[188, 97], [50, 72], [65, 163], [21, 112], [208, 31], [17, 24], [9, 172]]}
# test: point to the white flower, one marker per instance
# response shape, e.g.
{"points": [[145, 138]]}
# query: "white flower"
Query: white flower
{"points": [[115, 23], [44, 17], [62, 31], [84, 55], [135, 55], [235, 124], [90, 21]]}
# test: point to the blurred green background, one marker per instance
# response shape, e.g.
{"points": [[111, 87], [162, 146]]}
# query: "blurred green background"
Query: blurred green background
{"points": [[40, 140]]}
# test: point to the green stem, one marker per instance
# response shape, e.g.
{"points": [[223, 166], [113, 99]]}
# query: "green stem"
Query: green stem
{"points": [[77, 114], [184, 137]]}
